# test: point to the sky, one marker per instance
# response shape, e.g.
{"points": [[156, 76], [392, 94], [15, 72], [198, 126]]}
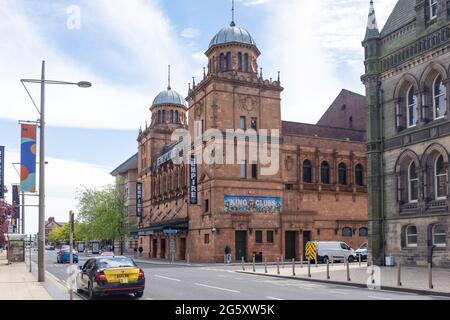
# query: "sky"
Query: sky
{"points": [[124, 47]]}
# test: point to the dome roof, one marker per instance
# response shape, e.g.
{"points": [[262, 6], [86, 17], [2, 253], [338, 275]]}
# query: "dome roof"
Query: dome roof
{"points": [[232, 34], [170, 96]]}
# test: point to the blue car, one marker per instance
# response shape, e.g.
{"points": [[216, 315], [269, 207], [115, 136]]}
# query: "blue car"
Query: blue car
{"points": [[64, 256]]}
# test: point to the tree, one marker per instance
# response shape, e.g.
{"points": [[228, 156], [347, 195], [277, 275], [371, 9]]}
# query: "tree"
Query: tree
{"points": [[102, 215]]}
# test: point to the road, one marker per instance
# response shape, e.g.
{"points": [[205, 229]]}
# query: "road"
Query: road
{"points": [[218, 282]]}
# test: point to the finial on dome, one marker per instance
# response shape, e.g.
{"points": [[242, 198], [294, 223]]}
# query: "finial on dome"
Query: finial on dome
{"points": [[168, 87], [232, 24]]}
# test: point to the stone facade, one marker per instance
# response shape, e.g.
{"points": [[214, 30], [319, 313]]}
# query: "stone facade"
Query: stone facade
{"points": [[317, 192], [408, 131]]}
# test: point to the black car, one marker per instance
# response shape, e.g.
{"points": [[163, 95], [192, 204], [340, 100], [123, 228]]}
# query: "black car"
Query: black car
{"points": [[110, 275]]}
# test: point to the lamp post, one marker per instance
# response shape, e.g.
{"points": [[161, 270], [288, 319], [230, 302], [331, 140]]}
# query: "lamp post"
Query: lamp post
{"points": [[41, 111]]}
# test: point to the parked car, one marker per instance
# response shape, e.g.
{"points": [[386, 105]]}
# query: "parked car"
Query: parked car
{"points": [[111, 275], [64, 256], [361, 251], [107, 254], [50, 247], [336, 250]]}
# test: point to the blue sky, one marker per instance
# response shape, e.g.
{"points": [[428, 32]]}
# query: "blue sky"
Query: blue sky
{"points": [[124, 47]]}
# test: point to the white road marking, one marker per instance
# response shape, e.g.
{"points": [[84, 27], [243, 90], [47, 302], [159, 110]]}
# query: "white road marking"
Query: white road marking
{"points": [[380, 298], [167, 278], [338, 292], [273, 298], [217, 288], [149, 299]]}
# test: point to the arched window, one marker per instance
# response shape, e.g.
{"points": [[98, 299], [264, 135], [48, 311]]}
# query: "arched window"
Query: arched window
{"points": [[347, 232], [439, 94], [363, 232], [413, 183], [164, 116], [159, 116], [246, 63], [411, 236], [171, 116], [307, 171], [222, 62], [229, 61], [177, 116], [359, 175], [325, 173], [411, 107], [440, 178], [342, 174], [439, 235], [240, 61]]}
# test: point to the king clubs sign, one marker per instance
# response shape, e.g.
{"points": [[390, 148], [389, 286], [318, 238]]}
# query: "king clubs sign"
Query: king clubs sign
{"points": [[138, 199], [193, 180], [2, 172]]}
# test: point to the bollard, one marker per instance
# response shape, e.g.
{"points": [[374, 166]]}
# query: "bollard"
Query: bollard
{"points": [[254, 269], [328, 269], [301, 261], [265, 265], [359, 260], [373, 272], [309, 268], [278, 266], [316, 260], [187, 258], [243, 264], [332, 261], [399, 274], [348, 271], [430, 276], [293, 267], [282, 263]]}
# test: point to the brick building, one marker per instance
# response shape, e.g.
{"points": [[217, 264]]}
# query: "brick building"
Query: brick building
{"points": [[317, 191], [51, 224], [407, 83], [126, 179]]}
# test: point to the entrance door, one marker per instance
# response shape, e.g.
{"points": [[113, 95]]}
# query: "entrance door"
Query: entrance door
{"points": [[182, 248], [290, 245], [306, 239], [155, 248], [241, 245], [163, 248]]}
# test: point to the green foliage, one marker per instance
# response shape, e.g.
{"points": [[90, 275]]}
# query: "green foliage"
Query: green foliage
{"points": [[101, 214]]}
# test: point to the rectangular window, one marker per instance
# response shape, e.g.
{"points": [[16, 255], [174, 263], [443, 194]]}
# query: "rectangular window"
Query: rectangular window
{"points": [[270, 236], [243, 169], [242, 124], [254, 124], [433, 8], [254, 171], [207, 238], [258, 236], [206, 205]]}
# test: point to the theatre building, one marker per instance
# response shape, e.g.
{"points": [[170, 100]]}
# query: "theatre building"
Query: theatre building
{"points": [[316, 192]]}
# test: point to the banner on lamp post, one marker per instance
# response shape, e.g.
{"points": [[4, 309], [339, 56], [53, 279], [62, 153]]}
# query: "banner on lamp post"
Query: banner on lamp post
{"points": [[2, 172], [28, 158]]}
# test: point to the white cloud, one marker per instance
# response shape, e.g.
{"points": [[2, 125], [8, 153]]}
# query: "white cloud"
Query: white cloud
{"points": [[254, 2], [63, 178], [190, 33], [145, 36]]}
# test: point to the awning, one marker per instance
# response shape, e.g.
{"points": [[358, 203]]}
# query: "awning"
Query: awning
{"points": [[157, 228]]}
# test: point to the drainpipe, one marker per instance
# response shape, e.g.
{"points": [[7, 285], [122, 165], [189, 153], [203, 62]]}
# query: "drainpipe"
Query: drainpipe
{"points": [[383, 221]]}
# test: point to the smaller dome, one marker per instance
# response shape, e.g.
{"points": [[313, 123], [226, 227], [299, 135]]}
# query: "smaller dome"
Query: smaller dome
{"points": [[170, 97], [232, 34]]}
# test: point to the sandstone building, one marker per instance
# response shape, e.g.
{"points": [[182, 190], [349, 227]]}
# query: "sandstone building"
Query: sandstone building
{"points": [[318, 191], [407, 83]]}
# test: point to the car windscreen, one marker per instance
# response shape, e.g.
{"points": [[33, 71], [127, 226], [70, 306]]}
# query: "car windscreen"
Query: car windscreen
{"points": [[115, 262]]}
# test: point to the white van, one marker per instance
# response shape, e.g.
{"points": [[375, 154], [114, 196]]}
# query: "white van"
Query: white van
{"points": [[336, 250]]}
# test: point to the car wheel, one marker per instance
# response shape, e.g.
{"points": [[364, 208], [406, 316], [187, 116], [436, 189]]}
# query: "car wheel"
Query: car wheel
{"points": [[139, 294], [351, 259], [325, 259], [91, 294]]}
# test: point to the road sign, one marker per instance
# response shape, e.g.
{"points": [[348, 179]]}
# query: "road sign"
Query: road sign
{"points": [[311, 250], [170, 231]]}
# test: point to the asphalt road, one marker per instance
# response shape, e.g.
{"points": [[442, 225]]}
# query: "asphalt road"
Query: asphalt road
{"points": [[171, 282]]}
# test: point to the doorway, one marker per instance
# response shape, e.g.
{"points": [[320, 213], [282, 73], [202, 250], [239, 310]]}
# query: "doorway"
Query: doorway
{"points": [[182, 248], [306, 239], [155, 248], [241, 245], [290, 246], [163, 249]]}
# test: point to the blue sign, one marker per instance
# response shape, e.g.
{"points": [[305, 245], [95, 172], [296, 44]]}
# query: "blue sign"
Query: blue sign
{"points": [[247, 204], [170, 231], [138, 199], [2, 172], [193, 180]]}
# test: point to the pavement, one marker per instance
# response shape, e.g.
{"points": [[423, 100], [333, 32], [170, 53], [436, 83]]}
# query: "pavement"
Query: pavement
{"points": [[17, 283], [412, 279], [180, 281]]}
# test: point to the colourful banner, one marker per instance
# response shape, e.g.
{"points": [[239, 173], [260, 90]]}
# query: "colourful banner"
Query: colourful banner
{"points": [[28, 158], [16, 201], [244, 204]]}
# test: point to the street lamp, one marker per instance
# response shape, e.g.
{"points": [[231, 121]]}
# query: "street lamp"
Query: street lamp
{"points": [[41, 111]]}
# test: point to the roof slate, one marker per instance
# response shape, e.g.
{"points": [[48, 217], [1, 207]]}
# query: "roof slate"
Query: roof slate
{"points": [[404, 13]]}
